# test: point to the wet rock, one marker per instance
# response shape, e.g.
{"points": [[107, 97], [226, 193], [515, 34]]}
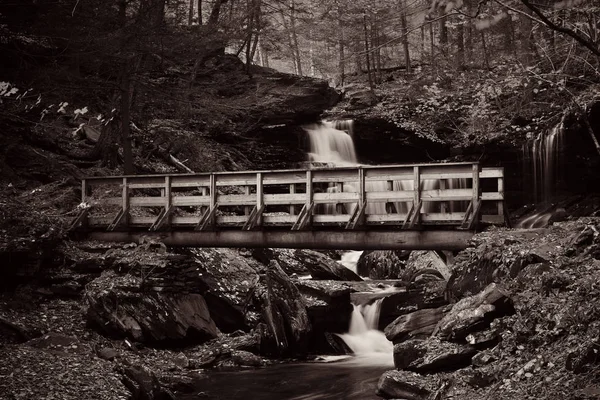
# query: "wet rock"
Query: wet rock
{"points": [[358, 97], [490, 259], [382, 264], [322, 267], [415, 325], [246, 359], [118, 306], [143, 384], [329, 310], [425, 295], [107, 353], [287, 323], [404, 385], [15, 332], [432, 355], [421, 263], [474, 313], [485, 339]]}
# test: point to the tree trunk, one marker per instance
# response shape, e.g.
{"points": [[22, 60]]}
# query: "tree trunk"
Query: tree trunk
{"points": [[191, 13], [485, 51], [367, 50], [342, 56], [460, 43], [432, 45], [215, 12], [125, 121], [296, 48], [405, 44]]}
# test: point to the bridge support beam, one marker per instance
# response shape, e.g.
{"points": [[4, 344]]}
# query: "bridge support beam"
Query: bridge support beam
{"points": [[342, 240]]}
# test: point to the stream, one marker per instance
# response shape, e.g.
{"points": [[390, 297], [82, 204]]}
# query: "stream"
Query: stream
{"points": [[353, 378]]}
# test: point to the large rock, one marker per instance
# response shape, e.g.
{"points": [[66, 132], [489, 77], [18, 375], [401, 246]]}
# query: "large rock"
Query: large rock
{"points": [[302, 261], [404, 385], [418, 324], [117, 305], [287, 323], [432, 355], [224, 278], [329, 310], [474, 313], [382, 264], [425, 295]]}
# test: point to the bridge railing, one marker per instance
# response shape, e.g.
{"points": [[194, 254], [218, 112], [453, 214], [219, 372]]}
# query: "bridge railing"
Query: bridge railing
{"points": [[354, 197]]}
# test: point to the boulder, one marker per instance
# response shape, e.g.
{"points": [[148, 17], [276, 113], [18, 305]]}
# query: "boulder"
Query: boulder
{"points": [[284, 313], [404, 385], [329, 310], [432, 355], [474, 313], [225, 279], [246, 359], [421, 263], [306, 262], [425, 295], [382, 264], [418, 324], [117, 305], [143, 383]]}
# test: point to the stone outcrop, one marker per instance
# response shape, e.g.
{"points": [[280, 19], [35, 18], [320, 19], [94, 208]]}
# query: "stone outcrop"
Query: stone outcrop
{"points": [[118, 306], [329, 310], [404, 385], [474, 313], [418, 324], [434, 355], [382, 264], [283, 310]]}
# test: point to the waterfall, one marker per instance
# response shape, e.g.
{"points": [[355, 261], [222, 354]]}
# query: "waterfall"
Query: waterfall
{"points": [[332, 143], [350, 259], [542, 168], [542, 162], [362, 336]]}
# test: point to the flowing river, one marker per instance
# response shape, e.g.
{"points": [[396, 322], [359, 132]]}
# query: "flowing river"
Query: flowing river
{"points": [[354, 378]]}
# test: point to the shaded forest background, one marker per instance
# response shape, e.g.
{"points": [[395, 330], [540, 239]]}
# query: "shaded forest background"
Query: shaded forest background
{"points": [[456, 72]]}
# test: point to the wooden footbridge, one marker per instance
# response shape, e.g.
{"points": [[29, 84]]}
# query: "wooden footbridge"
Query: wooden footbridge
{"points": [[426, 206]]}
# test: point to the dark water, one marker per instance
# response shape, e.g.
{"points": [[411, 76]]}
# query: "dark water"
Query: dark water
{"points": [[349, 379]]}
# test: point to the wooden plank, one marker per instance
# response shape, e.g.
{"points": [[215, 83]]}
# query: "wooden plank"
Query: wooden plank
{"points": [[340, 197], [190, 201], [447, 194], [491, 196], [491, 173], [237, 200], [390, 197], [190, 181], [443, 187], [500, 204]]}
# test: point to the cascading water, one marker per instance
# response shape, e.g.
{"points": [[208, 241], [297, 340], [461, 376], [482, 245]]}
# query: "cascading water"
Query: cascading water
{"points": [[542, 166], [350, 260], [364, 338], [542, 162]]}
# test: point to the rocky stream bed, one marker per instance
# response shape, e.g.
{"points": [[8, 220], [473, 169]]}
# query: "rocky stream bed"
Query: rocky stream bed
{"points": [[518, 318]]}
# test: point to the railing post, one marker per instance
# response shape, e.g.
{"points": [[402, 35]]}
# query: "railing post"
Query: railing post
{"points": [[247, 192], [125, 201], [292, 191], [500, 203], [417, 193], [84, 189], [476, 188], [259, 197], [213, 198], [362, 197], [309, 195]]}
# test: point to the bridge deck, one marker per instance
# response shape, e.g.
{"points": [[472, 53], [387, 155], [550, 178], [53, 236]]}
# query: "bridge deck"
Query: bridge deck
{"points": [[393, 206]]}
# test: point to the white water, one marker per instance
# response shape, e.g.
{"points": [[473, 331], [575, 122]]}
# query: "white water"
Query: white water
{"points": [[368, 343], [542, 162], [542, 165], [350, 260]]}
